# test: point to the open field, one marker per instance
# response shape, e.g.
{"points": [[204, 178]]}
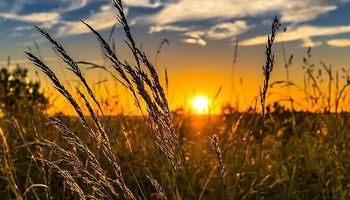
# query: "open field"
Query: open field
{"points": [[308, 160]]}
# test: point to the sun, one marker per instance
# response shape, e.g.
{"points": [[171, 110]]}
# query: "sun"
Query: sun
{"points": [[200, 104]]}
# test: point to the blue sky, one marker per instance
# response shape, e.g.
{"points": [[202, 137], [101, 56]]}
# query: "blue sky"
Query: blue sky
{"points": [[191, 21]]}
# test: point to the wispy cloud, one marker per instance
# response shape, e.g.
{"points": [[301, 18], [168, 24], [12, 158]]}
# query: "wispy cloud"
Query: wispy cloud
{"points": [[160, 28], [103, 19], [18, 11], [301, 11], [195, 35], [33, 17], [300, 33], [291, 11], [229, 14], [227, 30], [72, 5], [308, 42], [23, 28], [339, 42], [197, 41], [143, 3]]}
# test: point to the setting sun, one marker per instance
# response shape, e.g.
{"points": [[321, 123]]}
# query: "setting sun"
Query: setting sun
{"points": [[200, 104]]}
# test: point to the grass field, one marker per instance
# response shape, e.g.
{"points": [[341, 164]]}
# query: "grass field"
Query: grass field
{"points": [[265, 152], [308, 160]]}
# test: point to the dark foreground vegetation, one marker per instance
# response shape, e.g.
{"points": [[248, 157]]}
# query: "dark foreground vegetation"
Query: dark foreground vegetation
{"points": [[307, 160], [277, 154]]}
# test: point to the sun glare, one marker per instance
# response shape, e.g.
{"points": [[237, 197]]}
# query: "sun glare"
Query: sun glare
{"points": [[200, 104]]}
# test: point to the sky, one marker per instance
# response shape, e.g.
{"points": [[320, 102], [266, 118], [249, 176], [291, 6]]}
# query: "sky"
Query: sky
{"points": [[202, 36]]}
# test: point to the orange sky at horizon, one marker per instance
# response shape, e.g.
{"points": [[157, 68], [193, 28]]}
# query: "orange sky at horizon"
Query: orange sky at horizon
{"points": [[189, 75], [184, 87]]}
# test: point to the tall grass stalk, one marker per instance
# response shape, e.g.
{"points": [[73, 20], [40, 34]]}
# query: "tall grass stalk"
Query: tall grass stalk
{"points": [[267, 69], [160, 47], [7, 166], [233, 71]]}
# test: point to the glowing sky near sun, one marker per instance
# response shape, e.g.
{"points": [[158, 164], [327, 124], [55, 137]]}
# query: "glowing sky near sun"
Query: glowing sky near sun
{"points": [[202, 34]]}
